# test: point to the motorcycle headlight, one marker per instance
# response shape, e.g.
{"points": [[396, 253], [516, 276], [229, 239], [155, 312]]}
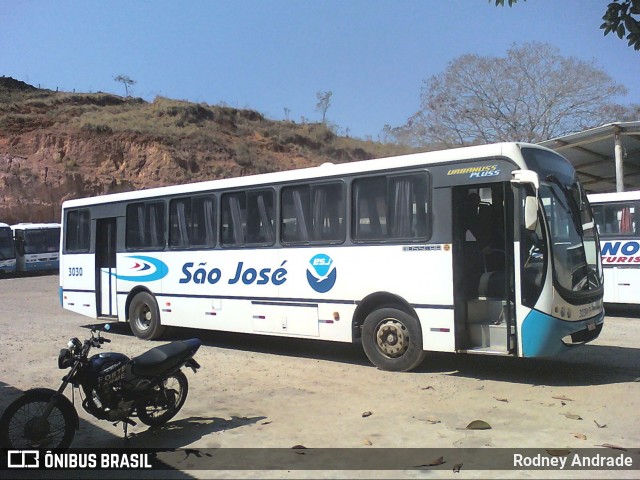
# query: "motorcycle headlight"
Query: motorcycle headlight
{"points": [[64, 358]]}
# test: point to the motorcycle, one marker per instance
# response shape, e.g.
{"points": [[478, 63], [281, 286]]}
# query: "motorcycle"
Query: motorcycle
{"points": [[150, 387]]}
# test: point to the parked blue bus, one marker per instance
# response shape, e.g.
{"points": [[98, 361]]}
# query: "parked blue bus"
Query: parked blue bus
{"points": [[7, 250], [37, 246]]}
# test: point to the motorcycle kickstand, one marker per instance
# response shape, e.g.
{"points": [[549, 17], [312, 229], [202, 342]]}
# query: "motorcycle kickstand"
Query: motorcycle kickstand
{"points": [[125, 426]]}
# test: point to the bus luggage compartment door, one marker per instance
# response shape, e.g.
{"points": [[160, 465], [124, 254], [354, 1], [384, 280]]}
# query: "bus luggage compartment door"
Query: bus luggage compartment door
{"points": [[283, 318]]}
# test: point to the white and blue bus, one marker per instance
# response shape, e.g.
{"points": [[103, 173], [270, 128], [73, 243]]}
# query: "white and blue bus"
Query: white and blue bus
{"points": [[37, 246], [617, 216], [488, 249], [7, 250]]}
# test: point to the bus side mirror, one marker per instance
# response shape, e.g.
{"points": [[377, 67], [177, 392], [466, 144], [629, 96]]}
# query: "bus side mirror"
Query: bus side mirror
{"points": [[530, 213], [526, 177]]}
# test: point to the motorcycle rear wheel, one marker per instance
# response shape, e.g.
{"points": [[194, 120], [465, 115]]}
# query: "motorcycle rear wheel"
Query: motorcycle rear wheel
{"points": [[173, 391], [21, 425]]}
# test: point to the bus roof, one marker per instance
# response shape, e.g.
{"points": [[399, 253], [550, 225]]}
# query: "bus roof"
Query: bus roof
{"points": [[34, 226], [511, 150], [4, 225], [614, 197]]}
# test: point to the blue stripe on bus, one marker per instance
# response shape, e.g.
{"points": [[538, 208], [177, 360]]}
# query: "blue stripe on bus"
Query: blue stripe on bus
{"points": [[280, 301], [283, 300], [284, 304]]}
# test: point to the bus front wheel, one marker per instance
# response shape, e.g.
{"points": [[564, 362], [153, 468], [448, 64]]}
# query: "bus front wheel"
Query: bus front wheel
{"points": [[144, 317], [392, 340]]}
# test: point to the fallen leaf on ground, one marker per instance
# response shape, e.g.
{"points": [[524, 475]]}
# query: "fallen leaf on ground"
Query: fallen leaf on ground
{"points": [[608, 445], [598, 425], [562, 397], [299, 447], [367, 442], [572, 416], [558, 452], [457, 467], [429, 387], [580, 436], [433, 463], [432, 420], [502, 399], [265, 423], [366, 414], [478, 425]]}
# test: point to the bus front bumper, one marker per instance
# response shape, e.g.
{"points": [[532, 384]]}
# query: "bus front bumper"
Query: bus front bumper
{"points": [[544, 335]]}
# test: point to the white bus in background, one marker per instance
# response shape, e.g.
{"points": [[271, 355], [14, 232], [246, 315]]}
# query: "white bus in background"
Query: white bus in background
{"points": [[37, 246], [482, 249], [7, 250], [617, 216]]}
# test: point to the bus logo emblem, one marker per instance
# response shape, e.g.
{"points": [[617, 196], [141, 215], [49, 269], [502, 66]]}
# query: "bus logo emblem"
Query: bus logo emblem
{"points": [[145, 269], [321, 273]]}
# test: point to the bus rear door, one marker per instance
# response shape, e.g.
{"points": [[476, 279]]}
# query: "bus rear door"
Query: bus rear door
{"points": [[106, 300]]}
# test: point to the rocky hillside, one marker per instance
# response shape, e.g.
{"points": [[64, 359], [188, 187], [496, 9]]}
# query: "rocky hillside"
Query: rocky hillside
{"points": [[56, 146]]}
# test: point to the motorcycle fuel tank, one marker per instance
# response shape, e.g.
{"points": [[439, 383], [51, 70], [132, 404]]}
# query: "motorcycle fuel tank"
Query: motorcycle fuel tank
{"points": [[105, 368]]}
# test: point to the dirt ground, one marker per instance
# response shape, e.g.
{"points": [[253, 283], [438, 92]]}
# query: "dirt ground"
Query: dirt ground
{"points": [[255, 391]]}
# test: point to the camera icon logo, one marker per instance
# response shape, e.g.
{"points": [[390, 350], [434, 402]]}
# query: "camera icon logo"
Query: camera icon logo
{"points": [[23, 459]]}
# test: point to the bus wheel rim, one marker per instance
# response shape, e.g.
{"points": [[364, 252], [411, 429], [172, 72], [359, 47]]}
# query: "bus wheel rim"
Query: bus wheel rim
{"points": [[143, 319], [392, 338]]}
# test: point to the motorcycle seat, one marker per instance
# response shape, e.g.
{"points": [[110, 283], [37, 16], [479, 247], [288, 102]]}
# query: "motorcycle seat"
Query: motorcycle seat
{"points": [[164, 358]]}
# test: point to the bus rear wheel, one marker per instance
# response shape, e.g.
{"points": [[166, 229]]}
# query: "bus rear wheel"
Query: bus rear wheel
{"points": [[144, 317], [392, 340]]}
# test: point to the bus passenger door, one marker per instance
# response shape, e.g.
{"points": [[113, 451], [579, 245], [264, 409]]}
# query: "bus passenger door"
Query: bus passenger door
{"points": [[106, 267], [483, 268]]}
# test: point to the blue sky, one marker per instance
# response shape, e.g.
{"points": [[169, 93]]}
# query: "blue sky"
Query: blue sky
{"points": [[269, 55]]}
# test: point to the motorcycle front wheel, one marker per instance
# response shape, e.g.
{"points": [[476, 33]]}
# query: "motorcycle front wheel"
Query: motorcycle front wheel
{"points": [[23, 426], [171, 394]]}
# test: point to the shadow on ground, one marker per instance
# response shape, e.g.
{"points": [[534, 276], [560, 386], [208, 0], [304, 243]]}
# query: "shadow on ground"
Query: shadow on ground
{"points": [[580, 366], [173, 435]]}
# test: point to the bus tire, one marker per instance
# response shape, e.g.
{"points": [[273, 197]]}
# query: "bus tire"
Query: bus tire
{"points": [[144, 317], [392, 340]]}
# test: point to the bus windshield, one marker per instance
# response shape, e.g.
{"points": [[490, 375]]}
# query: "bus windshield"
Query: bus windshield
{"points": [[6, 244], [576, 262], [42, 240]]}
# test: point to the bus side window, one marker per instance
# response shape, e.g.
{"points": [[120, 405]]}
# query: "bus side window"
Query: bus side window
{"points": [[260, 217], [619, 219], [295, 214], [180, 222], [192, 222], [328, 212], [145, 226], [370, 204], [393, 207], [78, 231], [203, 222], [233, 206]]}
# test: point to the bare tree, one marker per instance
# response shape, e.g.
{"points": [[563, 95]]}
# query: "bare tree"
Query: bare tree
{"points": [[126, 81], [532, 94], [324, 102]]}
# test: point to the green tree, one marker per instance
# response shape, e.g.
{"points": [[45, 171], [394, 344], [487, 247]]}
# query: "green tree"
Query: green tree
{"points": [[621, 17], [126, 81], [532, 94]]}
